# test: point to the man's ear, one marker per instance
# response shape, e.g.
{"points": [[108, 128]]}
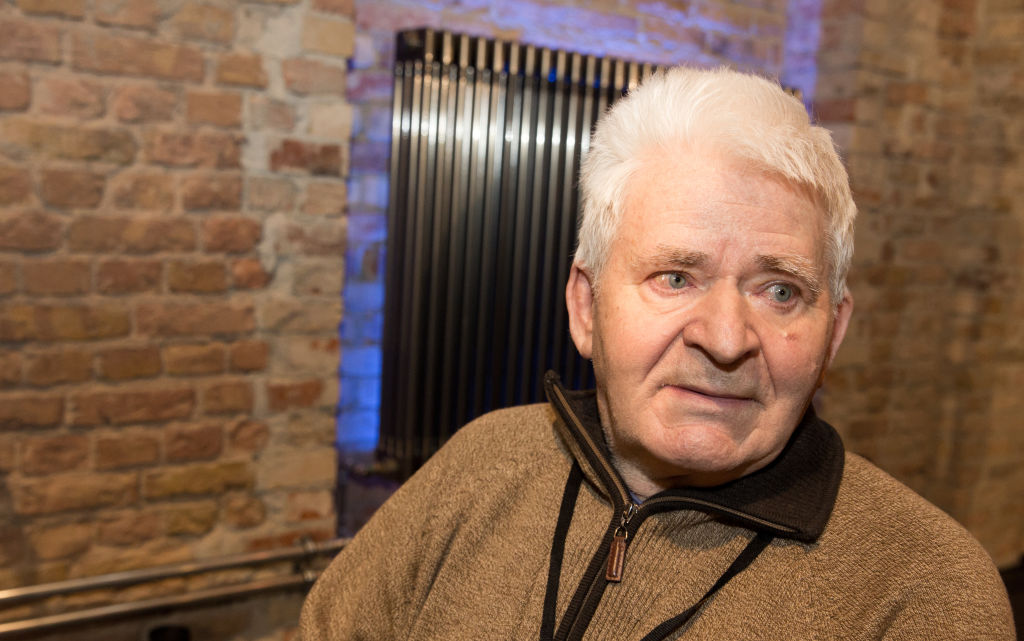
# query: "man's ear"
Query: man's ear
{"points": [[841, 322], [579, 299]]}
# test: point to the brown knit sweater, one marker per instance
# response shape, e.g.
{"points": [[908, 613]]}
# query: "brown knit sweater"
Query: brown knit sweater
{"points": [[489, 541]]}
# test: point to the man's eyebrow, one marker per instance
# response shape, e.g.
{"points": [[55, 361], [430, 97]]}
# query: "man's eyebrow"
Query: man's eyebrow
{"points": [[798, 268], [668, 255]]}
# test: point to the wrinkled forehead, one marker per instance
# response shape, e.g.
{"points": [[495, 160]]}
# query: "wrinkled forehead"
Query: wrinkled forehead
{"points": [[706, 181]]}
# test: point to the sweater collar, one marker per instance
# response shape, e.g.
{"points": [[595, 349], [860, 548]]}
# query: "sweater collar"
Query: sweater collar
{"points": [[791, 497]]}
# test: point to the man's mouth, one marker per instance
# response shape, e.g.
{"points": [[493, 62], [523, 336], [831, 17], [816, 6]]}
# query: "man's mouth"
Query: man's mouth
{"points": [[711, 393]]}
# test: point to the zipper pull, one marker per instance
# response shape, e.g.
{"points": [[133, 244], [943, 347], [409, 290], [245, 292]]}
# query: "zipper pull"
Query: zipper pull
{"points": [[617, 552]]}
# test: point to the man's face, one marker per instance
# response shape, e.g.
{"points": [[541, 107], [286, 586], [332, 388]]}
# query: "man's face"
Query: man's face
{"points": [[712, 322]]}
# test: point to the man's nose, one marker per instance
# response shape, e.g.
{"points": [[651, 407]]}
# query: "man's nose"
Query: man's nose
{"points": [[720, 325]]}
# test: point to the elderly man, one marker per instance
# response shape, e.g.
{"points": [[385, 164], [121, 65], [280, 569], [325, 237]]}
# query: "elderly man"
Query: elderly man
{"points": [[695, 494]]}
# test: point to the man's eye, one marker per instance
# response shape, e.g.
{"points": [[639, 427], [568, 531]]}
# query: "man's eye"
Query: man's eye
{"points": [[781, 293], [675, 280]]}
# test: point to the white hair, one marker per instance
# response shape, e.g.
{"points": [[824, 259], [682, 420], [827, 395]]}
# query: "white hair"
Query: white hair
{"points": [[747, 118]]}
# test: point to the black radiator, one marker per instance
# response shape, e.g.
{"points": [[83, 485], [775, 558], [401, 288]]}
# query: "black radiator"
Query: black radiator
{"points": [[486, 144]]}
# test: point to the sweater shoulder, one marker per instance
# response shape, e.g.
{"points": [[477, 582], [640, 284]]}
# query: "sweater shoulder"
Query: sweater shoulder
{"points": [[873, 503], [877, 498], [514, 438]]}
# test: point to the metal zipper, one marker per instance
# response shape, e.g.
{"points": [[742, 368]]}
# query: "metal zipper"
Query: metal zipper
{"points": [[621, 536]]}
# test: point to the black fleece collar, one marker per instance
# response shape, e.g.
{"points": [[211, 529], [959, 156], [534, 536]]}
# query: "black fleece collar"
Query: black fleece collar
{"points": [[791, 497]]}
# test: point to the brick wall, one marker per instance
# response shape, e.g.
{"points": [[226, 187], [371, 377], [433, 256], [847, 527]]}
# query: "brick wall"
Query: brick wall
{"points": [[172, 226], [926, 98]]}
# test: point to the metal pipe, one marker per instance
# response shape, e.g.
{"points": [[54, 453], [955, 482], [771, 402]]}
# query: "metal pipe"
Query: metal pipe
{"points": [[131, 577], [34, 626]]}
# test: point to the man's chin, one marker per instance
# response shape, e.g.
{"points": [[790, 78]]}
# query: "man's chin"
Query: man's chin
{"points": [[705, 456]]}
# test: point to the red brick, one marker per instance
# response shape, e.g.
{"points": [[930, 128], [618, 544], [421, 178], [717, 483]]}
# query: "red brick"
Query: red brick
{"points": [[838, 110], [193, 442], [29, 40], [197, 479], [74, 9], [15, 184], [248, 273], [57, 453], [141, 14], [123, 406], [956, 24], [70, 96], [142, 103], [309, 77], [243, 510], [207, 149], [248, 436], [146, 235], [249, 356], [69, 142], [77, 491], [291, 395], [8, 462], [268, 113], [241, 69], [18, 411], [327, 239], [214, 108], [96, 233], [378, 15], [129, 527], [17, 92], [307, 157], [270, 194], [57, 277], [325, 198], [143, 190], [203, 192], [329, 36], [343, 7], [231, 234], [194, 359], [228, 398], [195, 319], [126, 449], [906, 93], [30, 231], [10, 368], [205, 22], [190, 519], [60, 366], [71, 188], [125, 363], [128, 276], [198, 277], [132, 56], [8, 277], [61, 540], [63, 322], [985, 55]]}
